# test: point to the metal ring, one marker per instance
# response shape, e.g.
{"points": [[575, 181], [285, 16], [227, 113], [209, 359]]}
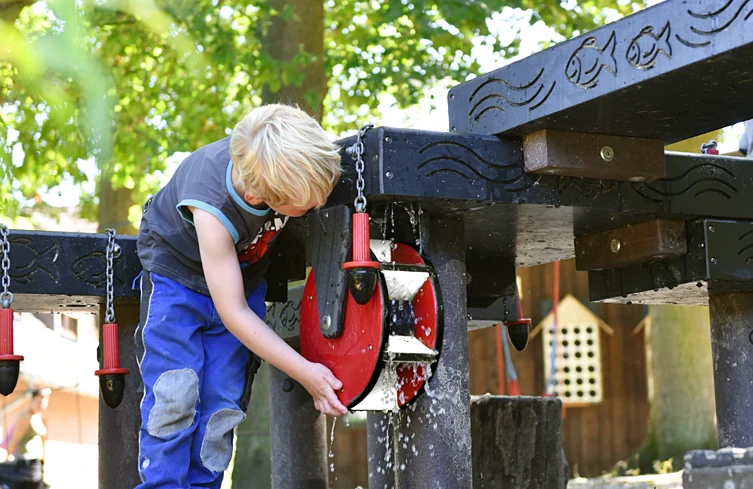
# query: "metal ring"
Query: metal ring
{"points": [[360, 204], [6, 299]]}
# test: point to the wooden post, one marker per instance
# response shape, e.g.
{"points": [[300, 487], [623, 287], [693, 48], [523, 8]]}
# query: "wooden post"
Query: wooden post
{"points": [[119, 428], [299, 438], [441, 421], [732, 353], [517, 443], [381, 453]]}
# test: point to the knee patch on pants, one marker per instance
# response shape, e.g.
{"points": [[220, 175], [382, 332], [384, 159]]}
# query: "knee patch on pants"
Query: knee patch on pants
{"points": [[176, 393], [217, 446]]}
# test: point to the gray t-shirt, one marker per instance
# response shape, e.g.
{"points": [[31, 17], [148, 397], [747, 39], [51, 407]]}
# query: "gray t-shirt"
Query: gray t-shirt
{"points": [[167, 242]]}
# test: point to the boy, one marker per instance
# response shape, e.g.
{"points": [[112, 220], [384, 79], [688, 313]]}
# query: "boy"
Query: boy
{"points": [[203, 246]]}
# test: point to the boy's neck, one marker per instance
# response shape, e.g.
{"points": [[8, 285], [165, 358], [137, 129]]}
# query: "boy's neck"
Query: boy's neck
{"points": [[242, 192]]}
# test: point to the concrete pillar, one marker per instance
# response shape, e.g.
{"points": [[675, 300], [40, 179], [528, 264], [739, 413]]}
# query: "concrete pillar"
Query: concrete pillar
{"points": [[119, 428], [441, 420], [732, 352], [299, 436]]}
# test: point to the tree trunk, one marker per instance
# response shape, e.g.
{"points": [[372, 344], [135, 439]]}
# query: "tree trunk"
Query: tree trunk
{"points": [[283, 38], [10, 9], [682, 410], [114, 205]]}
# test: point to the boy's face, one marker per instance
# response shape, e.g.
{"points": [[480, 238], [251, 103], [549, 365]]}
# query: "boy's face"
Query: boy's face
{"points": [[286, 209], [294, 210]]}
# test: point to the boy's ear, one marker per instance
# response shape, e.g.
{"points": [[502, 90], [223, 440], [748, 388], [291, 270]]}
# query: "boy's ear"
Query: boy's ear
{"points": [[251, 199]]}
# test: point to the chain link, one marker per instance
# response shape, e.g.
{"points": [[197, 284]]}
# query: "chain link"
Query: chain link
{"points": [[110, 256], [360, 201], [6, 297]]}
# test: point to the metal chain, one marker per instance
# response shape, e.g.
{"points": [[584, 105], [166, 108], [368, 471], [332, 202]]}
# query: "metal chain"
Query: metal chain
{"points": [[110, 256], [360, 201], [6, 297]]}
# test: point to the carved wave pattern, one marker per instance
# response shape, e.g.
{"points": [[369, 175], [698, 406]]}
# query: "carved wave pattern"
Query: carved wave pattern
{"points": [[454, 158], [713, 22], [285, 316], [587, 189], [713, 180], [503, 93], [746, 246]]}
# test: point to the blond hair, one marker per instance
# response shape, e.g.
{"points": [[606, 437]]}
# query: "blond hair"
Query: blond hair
{"points": [[284, 157]]}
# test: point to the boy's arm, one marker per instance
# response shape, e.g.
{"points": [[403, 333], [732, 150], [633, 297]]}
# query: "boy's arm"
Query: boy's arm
{"points": [[225, 282]]}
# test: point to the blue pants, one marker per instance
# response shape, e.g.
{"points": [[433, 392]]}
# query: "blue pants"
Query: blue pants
{"points": [[197, 382]]}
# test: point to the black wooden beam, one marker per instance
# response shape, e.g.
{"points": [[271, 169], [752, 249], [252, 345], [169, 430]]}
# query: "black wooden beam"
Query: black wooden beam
{"points": [[465, 171], [669, 72], [719, 261], [511, 216], [66, 271]]}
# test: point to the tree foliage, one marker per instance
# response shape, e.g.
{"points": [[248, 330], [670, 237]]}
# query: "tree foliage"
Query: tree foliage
{"points": [[130, 82]]}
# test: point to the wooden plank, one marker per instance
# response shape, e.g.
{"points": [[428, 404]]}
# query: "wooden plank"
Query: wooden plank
{"points": [[643, 242], [577, 154]]}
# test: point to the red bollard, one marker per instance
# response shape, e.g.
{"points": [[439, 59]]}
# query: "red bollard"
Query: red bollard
{"points": [[111, 377], [9, 362]]}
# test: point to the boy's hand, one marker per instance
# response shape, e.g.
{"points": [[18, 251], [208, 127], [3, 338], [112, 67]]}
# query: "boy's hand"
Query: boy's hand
{"points": [[321, 384]]}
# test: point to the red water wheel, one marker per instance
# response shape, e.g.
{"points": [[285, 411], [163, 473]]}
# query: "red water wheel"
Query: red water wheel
{"points": [[357, 357]]}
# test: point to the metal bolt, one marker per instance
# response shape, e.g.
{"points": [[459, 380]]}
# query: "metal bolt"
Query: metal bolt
{"points": [[452, 95], [286, 385], [615, 245], [326, 322], [116, 250], [388, 174], [607, 153], [713, 260], [453, 129], [350, 150], [711, 229], [751, 337], [387, 139], [376, 156]]}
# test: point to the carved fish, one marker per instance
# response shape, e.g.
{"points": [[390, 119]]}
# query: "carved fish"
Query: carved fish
{"points": [[589, 60], [644, 49], [91, 268], [27, 261]]}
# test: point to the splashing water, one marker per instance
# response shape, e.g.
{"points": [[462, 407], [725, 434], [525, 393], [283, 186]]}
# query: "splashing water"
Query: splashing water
{"points": [[332, 445]]}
